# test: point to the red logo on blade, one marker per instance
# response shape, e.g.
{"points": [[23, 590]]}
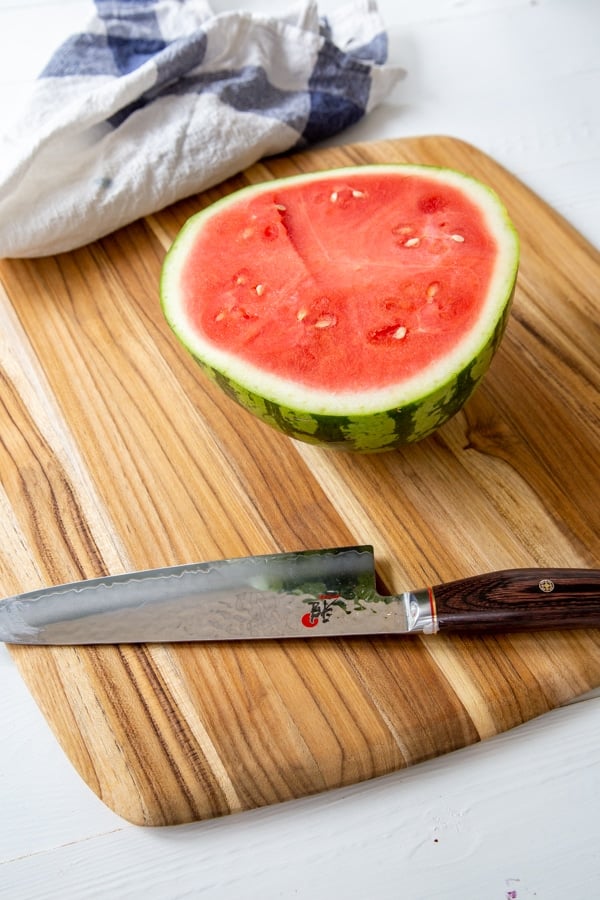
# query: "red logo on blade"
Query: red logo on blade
{"points": [[320, 610]]}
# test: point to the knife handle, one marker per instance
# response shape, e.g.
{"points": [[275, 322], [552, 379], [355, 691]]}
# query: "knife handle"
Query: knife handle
{"points": [[519, 600]]}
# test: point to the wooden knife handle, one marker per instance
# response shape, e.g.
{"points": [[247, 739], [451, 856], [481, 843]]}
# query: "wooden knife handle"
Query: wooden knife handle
{"points": [[520, 600]]}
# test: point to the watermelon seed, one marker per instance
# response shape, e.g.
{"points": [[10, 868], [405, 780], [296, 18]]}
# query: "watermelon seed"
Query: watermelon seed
{"points": [[356, 193], [402, 229], [412, 242], [260, 289], [301, 314], [220, 316], [280, 207], [334, 196], [326, 321], [383, 335], [433, 289], [458, 238]]}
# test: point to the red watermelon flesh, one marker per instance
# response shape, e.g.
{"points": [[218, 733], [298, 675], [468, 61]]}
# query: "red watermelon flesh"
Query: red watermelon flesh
{"points": [[358, 282]]}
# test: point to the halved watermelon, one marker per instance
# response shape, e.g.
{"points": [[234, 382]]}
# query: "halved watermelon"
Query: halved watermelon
{"points": [[356, 308]]}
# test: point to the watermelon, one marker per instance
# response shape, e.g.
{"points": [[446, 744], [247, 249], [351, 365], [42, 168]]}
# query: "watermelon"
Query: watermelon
{"points": [[356, 308]]}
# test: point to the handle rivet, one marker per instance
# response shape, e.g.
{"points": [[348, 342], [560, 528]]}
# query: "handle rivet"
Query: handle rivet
{"points": [[546, 585]]}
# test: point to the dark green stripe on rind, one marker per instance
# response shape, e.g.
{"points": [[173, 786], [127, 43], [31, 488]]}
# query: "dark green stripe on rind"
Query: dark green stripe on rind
{"points": [[371, 432]]}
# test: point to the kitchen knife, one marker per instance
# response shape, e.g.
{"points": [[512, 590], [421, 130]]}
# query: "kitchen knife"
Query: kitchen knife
{"points": [[330, 592]]}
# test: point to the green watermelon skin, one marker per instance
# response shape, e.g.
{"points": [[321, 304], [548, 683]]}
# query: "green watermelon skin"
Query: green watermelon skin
{"points": [[374, 431], [377, 432]]}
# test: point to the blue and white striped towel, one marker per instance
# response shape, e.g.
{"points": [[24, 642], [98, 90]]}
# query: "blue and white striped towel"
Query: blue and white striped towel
{"points": [[159, 99]]}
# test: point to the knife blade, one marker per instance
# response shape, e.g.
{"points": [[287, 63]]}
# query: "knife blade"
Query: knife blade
{"points": [[310, 593]]}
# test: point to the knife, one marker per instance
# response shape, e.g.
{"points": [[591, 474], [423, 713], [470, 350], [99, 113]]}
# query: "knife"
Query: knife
{"points": [[311, 593]]}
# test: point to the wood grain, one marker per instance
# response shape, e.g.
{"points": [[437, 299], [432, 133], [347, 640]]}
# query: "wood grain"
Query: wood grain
{"points": [[116, 453]]}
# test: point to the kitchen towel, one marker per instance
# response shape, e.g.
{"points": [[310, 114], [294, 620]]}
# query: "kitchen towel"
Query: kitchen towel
{"points": [[159, 99]]}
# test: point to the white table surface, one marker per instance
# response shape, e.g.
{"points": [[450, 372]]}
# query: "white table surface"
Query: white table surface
{"points": [[514, 818]]}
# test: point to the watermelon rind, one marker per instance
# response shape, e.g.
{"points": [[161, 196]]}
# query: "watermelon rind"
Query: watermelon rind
{"points": [[373, 420]]}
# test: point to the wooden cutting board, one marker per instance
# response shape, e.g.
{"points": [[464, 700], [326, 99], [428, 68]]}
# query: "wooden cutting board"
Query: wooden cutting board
{"points": [[117, 454]]}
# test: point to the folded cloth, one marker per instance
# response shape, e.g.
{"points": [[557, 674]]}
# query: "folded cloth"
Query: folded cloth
{"points": [[160, 99]]}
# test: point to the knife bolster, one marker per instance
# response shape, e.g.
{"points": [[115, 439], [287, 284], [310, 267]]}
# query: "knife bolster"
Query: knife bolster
{"points": [[420, 612]]}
